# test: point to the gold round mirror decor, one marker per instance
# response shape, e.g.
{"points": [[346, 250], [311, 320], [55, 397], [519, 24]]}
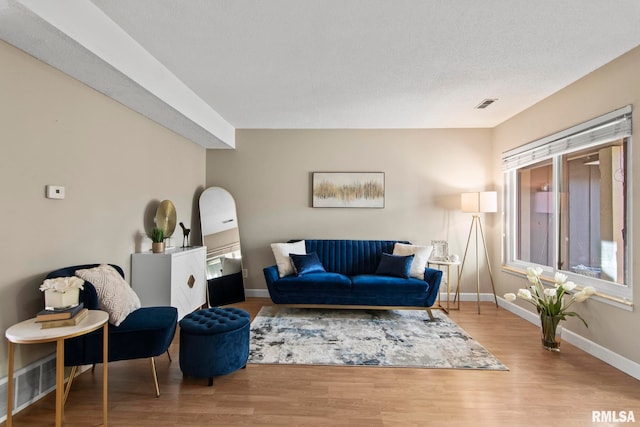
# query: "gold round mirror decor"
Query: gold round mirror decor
{"points": [[166, 217]]}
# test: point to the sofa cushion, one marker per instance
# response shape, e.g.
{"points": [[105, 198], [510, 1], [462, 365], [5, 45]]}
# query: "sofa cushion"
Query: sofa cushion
{"points": [[395, 265], [281, 252], [422, 254], [314, 282], [376, 284], [307, 264]]}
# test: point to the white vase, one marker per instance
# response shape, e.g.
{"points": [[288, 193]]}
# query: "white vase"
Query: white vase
{"points": [[550, 329], [58, 300]]}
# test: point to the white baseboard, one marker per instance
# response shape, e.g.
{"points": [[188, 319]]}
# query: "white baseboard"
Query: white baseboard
{"points": [[257, 293], [625, 365], [467, 296]]}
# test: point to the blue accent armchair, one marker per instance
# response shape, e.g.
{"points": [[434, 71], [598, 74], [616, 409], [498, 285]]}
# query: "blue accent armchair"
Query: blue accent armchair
{"points": [[145, 333]]}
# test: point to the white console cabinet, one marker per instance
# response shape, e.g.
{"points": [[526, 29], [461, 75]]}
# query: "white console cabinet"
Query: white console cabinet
{"points": [[175, 277]]}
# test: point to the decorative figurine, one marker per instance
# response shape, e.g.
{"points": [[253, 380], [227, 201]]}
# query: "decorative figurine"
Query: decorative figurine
{"points": [[185, 235]]}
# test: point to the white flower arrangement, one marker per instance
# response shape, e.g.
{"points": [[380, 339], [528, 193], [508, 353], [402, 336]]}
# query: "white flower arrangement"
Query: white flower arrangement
{"points": [[550, 301], [62, 284]]}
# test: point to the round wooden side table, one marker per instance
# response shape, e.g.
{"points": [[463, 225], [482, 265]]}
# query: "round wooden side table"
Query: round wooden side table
{"points": [[447, 266], [30, 332]]}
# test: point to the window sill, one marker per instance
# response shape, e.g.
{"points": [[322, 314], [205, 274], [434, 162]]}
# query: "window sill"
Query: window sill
{"points": [[621, 303]]}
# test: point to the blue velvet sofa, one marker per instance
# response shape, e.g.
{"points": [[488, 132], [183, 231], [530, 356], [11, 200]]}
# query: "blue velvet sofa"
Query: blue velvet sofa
{"points": [[350, 279]]}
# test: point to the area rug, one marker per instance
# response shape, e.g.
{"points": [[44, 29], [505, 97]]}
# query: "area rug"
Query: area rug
{"points": [[392, 338]]}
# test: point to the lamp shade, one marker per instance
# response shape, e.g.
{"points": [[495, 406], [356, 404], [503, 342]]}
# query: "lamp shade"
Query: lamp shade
{"points": [[484, 201]]}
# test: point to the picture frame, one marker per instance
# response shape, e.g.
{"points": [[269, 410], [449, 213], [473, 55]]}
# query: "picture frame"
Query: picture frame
{"points": [[440, 250], [348, 190]]}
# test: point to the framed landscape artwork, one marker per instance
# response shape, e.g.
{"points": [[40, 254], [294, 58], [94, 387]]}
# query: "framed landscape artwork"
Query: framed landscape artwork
{"points": [[348, 189]]}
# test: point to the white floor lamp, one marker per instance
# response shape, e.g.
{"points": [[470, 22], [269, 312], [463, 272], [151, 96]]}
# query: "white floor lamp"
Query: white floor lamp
{"points": [[476, 203]]}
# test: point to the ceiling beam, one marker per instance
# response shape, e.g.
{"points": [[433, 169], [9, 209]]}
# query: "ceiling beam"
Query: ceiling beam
{"points": [[92, 43]]}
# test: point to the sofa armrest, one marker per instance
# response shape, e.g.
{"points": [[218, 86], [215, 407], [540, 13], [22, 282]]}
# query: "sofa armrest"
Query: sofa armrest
{"points": [[271, 274], [433, 277]]}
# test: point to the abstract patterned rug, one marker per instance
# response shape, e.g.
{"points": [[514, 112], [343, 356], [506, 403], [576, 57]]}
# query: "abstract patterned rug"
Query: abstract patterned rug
{"points": [[392, 338]]}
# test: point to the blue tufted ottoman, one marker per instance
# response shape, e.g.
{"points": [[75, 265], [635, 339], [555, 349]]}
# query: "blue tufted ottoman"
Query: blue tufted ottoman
{"points": [[214, 341]]}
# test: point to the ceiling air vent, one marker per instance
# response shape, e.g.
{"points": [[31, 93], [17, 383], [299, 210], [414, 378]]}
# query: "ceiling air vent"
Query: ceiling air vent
{"points": [[485, 103]]}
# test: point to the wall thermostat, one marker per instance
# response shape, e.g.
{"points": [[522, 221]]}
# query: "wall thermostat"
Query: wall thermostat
{"points": [[55, 192]]}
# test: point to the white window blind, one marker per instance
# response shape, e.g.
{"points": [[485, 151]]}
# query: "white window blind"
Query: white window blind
{"points": [[609, 127]]}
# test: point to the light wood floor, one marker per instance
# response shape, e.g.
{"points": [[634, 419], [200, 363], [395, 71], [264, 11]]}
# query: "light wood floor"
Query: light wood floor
{"points": [[540, 388]]}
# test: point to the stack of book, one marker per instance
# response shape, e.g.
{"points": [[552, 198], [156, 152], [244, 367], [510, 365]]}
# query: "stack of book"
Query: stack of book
{"points": [[56, 318]]}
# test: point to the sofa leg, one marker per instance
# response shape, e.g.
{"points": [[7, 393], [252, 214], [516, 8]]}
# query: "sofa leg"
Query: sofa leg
{"points": [[430, 314], [210, 381]]}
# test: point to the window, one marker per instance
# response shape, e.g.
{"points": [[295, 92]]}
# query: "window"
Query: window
{"points": [[566, 204], [535, 214]]}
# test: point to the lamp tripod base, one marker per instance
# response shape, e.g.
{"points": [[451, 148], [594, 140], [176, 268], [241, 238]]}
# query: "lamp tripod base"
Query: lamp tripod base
{"points": [[476, 225]]}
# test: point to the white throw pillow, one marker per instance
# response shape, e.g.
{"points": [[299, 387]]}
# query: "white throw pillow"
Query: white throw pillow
{"points": [[115, 296], [421, 256], [281, 252]]}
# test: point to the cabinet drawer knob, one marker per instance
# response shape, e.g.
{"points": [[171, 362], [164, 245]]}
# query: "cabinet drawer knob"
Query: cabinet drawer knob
{"points": [[191, 281]]}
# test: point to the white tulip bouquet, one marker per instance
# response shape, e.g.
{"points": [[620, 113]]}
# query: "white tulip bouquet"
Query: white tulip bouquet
{"points": [[61, 292], [62, 284], [550, 301]]}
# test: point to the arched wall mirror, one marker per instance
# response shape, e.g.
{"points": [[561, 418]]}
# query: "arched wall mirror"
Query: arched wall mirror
{"points": [[221, 236]]}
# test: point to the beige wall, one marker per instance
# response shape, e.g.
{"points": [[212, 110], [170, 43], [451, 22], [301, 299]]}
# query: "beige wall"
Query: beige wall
{"points": [[113, 162], [608, 88], [269, 174]]}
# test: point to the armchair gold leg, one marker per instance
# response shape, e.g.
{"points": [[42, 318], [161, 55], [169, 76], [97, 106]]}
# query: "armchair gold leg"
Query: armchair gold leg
{"points": [[72, 375], [155, 376], [169, 356]]}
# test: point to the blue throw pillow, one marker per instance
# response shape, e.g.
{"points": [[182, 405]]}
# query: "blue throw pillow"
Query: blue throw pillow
{"points": [[307, 264], [395, 265]]}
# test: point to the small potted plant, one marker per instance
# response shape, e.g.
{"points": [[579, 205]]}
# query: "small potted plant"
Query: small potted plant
{"points": [[157, 237]]}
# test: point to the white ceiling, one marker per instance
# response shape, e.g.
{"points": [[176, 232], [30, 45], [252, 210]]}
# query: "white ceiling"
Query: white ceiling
{"points": [[206, 67]]}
